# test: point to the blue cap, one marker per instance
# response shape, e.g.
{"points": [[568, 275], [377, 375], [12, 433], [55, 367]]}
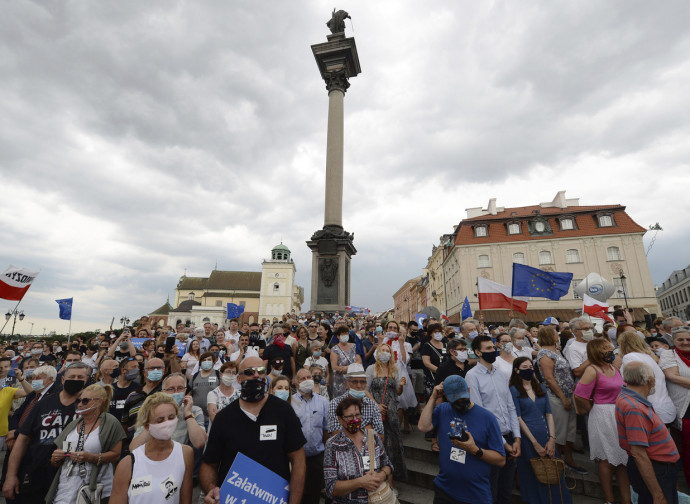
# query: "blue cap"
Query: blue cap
{"points": [[455, 387], [550, 321]]}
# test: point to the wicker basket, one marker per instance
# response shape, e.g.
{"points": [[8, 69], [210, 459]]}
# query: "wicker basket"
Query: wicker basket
{"points": [[548, 471]]}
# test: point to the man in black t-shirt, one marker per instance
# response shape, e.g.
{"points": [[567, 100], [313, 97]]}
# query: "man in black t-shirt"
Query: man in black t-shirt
{"points": [[262, 427], [279, 349], [456, 364], [30, 474]]}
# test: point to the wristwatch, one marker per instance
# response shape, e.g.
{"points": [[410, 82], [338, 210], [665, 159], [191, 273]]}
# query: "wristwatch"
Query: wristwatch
{"points": [[479, 453]]}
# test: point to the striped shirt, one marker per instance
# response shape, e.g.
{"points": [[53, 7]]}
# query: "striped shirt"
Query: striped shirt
{"points": [[638, 424]]}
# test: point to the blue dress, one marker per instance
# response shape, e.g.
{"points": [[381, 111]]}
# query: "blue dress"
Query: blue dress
{"points": [[533, 413]]}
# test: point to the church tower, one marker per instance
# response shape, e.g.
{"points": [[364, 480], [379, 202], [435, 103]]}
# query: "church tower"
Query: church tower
{"points": [[279, 294]]}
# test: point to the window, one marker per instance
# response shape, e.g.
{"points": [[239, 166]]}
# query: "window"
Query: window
{"points": [[513, 228], [484, 261], [519, 257], [566, 224], [219, 302], [613, 254], [572, 256], [480, 231], [276, 287], [545, 257], [605, 221], [574, 284], [191, 296]]}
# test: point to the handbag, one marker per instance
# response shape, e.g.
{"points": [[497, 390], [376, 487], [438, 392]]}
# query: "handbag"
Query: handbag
{"points": [[384, 493], [548, 471], [582, 405], [86, 496]]}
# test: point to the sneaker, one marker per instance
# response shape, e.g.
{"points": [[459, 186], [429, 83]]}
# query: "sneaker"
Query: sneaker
{"points": [[578, 469]]}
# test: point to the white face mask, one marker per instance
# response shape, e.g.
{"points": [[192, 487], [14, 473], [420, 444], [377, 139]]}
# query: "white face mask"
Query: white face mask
{"points": [[306, 386], [438, 336], [384, 357], [344, 338], [520, 342], [461, 355], [229, 380], [508, 347], [164, 430], [588, 335]]}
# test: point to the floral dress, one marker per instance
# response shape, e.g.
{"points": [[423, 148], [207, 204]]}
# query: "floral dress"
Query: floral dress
{"points": [[344, 359]]}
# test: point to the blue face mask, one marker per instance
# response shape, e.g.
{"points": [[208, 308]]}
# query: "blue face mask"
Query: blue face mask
{"points": [[472, 335], [178, 396], [282, 394], [357, 394], [37, 384], [206, 365], [317, 353], [155, 375]]}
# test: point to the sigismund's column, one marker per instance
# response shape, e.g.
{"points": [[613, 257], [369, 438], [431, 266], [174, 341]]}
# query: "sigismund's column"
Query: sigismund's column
{"points": [[332, 247]]}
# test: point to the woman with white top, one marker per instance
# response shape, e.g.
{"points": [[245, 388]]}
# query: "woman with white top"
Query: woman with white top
{"points": [[227, 392], [316, 357], [504, 361], [633, 348], [88, 448], [191, 358], [160, 471]]}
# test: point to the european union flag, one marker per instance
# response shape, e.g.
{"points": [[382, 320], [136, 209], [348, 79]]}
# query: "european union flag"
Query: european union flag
{"points": [[234, 311], [65, 308], [466, 310], [529, 281]]}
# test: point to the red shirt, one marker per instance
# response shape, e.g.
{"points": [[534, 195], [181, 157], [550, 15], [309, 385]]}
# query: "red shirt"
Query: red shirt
{"points": [[638, 424]]}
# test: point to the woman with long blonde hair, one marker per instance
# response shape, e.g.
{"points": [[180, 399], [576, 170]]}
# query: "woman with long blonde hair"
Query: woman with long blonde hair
{"points": [[384, 387]]}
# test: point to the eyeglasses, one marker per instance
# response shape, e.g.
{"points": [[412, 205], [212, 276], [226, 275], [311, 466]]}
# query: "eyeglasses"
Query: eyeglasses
{"points": [[85, 400], [254, 370], [347, 418], [176, 389]]}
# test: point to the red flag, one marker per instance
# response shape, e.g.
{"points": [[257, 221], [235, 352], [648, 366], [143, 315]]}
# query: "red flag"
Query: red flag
{"points": [[495, 295], [595, 308], [14, 283]]}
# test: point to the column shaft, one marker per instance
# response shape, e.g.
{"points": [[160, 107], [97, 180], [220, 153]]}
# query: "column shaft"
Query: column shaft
{"points": [[334, 160]]}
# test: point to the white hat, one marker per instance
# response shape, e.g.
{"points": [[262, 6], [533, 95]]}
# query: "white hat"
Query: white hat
{"points": [[355, 370]]}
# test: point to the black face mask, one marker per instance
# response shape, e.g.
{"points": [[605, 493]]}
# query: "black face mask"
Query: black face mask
{"points": [[73, 387], [253, 390], [461, 405], [160, 355], [489, 357], [609, 357], [526, 374]]}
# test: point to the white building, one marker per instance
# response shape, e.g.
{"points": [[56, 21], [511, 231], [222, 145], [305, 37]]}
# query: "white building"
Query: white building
{"points": [[674, 294], [279, 294]]}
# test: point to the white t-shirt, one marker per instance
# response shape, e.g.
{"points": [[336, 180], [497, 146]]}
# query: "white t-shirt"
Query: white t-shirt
{"points": [[660, 399], [249, 352], [319, 362], [67, 490], [575, 352], [525, 352], [504, 367]]}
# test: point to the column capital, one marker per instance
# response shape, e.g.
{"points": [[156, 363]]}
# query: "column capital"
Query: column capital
{"points": [[336, 80]]}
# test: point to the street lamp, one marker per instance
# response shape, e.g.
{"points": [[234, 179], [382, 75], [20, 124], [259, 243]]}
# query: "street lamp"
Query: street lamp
{"points": [[124, 321], [625, 297], [16, 313]]}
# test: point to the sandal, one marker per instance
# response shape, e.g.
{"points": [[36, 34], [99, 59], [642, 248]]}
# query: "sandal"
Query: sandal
{"points": [[434, 446]]}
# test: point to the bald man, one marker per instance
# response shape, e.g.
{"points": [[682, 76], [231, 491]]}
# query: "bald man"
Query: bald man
{"points": [[262, 427]]}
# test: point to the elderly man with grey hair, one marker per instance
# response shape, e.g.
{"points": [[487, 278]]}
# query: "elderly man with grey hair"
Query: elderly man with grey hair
{"points": [[652, 453], [668, 325], [575, 350], [469, 329], [521, 346]]}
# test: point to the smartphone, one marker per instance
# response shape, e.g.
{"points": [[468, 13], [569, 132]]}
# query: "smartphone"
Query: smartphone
{"points": [[169, 343]]}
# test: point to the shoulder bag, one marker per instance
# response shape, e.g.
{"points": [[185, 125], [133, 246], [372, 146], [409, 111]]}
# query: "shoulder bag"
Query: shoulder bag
{"points": [[384, 493]]}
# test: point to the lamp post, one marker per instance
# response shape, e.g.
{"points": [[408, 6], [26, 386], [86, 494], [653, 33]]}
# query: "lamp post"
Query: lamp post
{"points": [[124, 321], [16, 313], [625, 296]]}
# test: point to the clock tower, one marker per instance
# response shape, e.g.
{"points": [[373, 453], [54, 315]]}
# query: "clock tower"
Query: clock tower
{"points": [[279, 294]]}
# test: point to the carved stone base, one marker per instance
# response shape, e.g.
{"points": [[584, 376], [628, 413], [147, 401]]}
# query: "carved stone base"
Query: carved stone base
{"points": [[332, 250]]}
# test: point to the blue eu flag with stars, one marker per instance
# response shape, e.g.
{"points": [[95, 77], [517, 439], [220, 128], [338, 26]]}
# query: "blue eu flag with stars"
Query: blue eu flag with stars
{"points": [[234, 311], [533, 282], [466, 310], [65, 308]]}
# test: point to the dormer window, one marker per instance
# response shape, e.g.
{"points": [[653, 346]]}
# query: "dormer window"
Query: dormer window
{"points": [[480, 231], [566, 224], [605, 221], [513, 228]]}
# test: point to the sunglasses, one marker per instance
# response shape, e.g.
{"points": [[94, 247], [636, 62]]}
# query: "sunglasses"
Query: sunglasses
{"points": [[253, 370], [85, 400]]}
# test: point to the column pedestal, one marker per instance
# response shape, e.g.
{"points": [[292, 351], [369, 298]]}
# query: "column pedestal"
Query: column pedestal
{"points": [[332, 249]]}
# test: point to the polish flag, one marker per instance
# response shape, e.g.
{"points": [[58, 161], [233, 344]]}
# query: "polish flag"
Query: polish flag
{"points": [[495, 295], [445, 317], [595, 308], [14, 283]]}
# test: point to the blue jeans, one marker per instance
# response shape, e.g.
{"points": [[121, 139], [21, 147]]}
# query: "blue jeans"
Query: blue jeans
{"points": [[502, 478], [666, 476]]}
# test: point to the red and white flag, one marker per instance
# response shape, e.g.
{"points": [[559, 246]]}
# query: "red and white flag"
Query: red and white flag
{"points": [[14, 283], [445, 317], [595, 308], [495, 295]]}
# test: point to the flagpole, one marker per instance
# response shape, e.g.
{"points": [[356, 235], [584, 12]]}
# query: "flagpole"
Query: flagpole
{"points": [[69, 331], [8, 320]]}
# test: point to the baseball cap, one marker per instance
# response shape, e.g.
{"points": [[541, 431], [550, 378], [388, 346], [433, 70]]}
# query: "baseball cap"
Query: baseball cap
{"points": [[455, 387], [550, 321]]}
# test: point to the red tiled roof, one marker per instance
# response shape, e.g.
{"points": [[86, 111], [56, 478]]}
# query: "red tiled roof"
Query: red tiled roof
{"points": [[586, 224]]}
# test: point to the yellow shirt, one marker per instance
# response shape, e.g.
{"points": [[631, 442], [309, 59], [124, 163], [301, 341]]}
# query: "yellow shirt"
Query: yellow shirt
{"points": [[6, 397]]}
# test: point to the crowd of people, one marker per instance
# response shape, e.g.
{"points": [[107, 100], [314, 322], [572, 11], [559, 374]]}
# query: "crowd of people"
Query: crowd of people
{"points": [[156, 414]]}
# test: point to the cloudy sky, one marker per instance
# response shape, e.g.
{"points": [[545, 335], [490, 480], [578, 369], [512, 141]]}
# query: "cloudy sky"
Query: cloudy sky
{"points": [[138, 139]]}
